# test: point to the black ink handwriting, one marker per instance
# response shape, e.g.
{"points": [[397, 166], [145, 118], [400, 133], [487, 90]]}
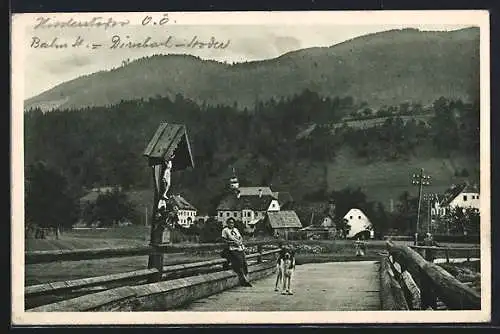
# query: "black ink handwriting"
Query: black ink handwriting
{"points": [[120, 42], [95, 22], [148, 20]]}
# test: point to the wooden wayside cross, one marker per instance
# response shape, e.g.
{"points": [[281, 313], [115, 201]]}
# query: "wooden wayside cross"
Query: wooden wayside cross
{"points": [[167, 151]]}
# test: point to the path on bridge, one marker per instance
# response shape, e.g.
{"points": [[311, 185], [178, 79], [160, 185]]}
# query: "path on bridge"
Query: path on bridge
{"points": [[334, 286]]}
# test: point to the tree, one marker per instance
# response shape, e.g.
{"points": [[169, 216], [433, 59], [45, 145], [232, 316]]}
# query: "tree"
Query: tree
{"points": [[342, 226], [367, 112], [211, 231], [110, 208], [462, 220], [48, 201], [380, 220], [444, 125], [406, 216]]}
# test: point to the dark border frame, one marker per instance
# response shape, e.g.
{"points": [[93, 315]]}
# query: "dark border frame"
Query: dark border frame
{"points": [[31, 6]]}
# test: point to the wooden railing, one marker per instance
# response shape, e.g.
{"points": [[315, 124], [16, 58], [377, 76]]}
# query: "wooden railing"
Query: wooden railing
{"points": [[424, 282], [449, 252], [40, 294], [34, 257]]}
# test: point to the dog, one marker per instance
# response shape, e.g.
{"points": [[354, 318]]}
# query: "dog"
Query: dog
{"points": [[285, 267]]}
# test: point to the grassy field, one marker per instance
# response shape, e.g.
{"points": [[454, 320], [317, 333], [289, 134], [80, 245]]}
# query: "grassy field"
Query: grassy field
{"points": [[383, 181], [128, 236]]}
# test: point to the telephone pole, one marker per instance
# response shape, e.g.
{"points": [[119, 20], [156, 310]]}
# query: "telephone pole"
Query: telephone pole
{"points": [[420, 180], [429, 197]]}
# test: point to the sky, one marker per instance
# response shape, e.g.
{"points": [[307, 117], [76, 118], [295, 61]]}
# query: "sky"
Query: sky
{"points": [[45, 68]]}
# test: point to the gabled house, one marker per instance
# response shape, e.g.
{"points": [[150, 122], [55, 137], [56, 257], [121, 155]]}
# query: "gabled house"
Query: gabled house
{"points": [[358, 222], [187, 212], [462, 195], [329, 217], [250, 205], [280, 223], [248, 209]]}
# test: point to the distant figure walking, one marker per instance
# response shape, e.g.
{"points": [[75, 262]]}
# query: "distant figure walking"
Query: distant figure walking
{"points": [[429, 254], [360, 247], [235, 251]]}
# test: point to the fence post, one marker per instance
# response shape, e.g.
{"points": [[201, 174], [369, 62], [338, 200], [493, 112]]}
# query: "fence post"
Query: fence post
{"points": [[427, 293], [259, 251], [447, 254], [468, 255]]}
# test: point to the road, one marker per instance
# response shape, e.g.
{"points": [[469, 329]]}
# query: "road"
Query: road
{"points": [[335, 286]]}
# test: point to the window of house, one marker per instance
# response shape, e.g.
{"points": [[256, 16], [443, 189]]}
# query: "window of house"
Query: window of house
{"points": [[350, 217], [359, 217], [465, 198], [220, 214], [234, 214], [227, 214]]}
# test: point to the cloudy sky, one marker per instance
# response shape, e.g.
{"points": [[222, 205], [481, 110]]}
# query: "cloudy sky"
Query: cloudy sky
{"points": [[46, 68]]}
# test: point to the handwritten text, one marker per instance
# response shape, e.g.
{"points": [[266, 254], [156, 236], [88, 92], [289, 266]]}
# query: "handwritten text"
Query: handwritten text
{"points": [[96, 22], [118, 42], [125, 42]]}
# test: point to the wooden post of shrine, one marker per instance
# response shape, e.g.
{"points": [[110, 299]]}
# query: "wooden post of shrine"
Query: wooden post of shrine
{"points": [[167, 151]]}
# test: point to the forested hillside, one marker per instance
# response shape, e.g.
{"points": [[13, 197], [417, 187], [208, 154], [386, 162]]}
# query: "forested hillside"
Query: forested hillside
{"points": [[103, 146]]}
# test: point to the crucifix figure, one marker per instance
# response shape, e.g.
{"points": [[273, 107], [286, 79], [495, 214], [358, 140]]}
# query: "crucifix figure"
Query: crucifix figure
{"points": [[165, 207], [166, 178]]}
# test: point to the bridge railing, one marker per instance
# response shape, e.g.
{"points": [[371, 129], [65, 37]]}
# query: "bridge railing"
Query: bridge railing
{"points": [[40, 294], [449, 252], [424, 282]]}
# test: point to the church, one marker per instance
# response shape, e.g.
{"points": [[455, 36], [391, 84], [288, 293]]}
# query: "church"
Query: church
{"points": [[251, 205]]}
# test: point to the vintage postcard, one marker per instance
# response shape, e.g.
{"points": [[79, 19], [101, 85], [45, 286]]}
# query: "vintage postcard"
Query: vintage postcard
{"points": [[251, 167]]}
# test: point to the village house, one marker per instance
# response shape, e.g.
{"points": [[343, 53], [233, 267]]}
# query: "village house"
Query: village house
{"points": [[462, 195], [250, 205], [248, 209], [187, 212], [327, 228], [358, 223], [280, 223]]}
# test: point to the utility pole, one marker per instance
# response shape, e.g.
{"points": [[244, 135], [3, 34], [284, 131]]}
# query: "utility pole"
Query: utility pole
{"points": [[420, 180], [429, 197]]}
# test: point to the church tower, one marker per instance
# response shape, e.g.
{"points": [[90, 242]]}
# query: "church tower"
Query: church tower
{"points": [[233, 182]]}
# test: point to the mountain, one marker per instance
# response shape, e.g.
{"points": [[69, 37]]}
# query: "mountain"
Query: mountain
{"points": [[384, 68]]}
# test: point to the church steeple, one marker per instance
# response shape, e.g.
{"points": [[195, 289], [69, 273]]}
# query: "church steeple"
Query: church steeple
{"points": [[233, 181]]}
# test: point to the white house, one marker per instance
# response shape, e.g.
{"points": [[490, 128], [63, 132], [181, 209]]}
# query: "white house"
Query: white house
{"points": [[462, 195], [327, 222], [358, 222], [248, 209], [187, 212], [251, 205]]}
